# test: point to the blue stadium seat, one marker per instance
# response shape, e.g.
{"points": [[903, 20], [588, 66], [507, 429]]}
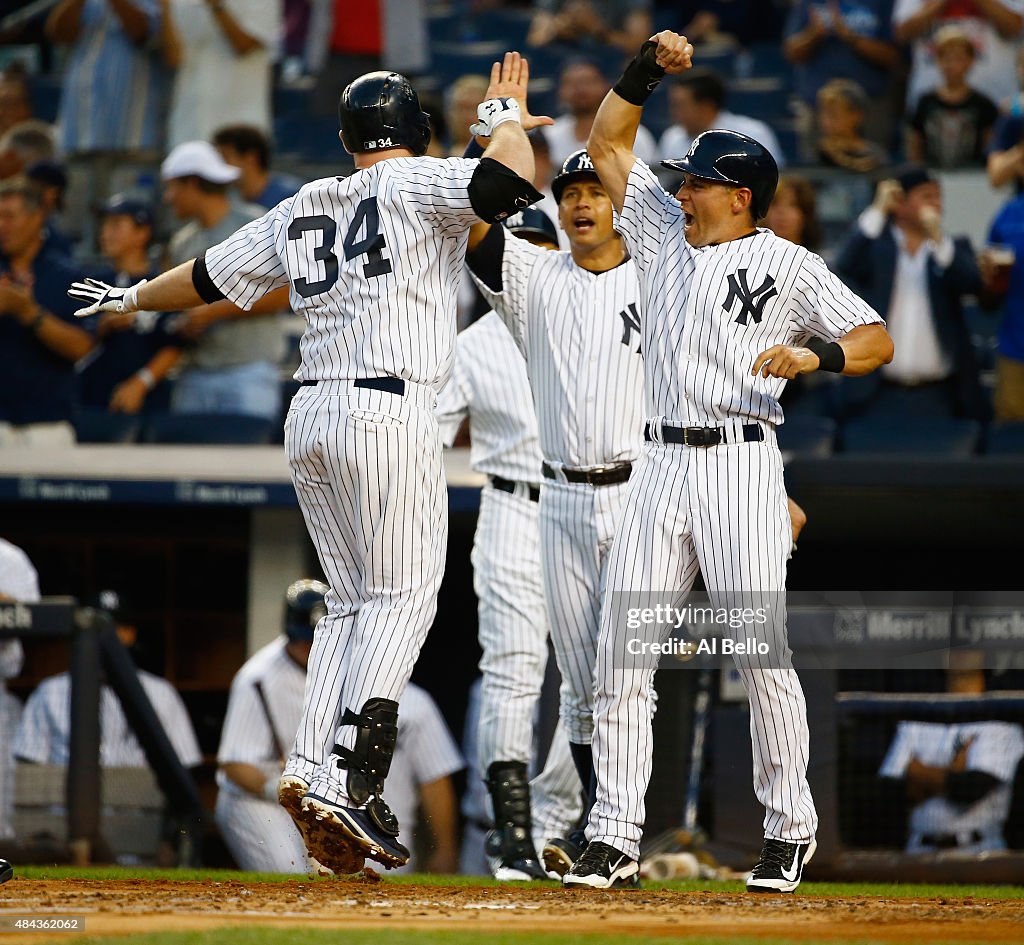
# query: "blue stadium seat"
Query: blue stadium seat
{"points": [[98, 426], [1005, 439], [766, 99], [226, 428], [926, 436], [507, 26], [807, 435]]}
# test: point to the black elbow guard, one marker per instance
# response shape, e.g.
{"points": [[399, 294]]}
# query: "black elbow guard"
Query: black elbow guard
{"points": [[203, 284], [496, 192]]}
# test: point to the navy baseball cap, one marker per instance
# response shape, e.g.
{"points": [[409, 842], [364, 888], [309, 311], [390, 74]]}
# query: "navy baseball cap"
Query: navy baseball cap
{"points": [[914, 176], [125, 205], [532, 222], [48, 174]]}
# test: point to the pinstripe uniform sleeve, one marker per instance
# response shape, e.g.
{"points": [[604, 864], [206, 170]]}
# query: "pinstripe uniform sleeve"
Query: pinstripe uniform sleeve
{"points": [[518, 260], [453, 401], [33, 738], [825, 306], [438, 191], [900, 752], [246, 737], [246, 266], [648, 213], [432, 749]]}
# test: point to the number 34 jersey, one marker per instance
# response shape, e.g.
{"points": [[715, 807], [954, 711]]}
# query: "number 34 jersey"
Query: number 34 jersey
{"points": [[373, 263]]}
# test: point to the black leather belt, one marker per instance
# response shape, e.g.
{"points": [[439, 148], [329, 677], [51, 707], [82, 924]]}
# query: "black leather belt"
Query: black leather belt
{"points": [[598, 476], [507, 485], [702, 436], [949, 841], [390, 385]]}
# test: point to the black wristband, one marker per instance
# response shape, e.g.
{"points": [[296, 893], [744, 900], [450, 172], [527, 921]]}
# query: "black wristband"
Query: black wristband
{"points": [[831, 356], [641, 77], [473, 149]]}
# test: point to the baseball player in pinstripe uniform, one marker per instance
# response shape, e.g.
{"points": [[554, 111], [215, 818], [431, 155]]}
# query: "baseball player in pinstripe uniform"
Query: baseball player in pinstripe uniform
{"points": [[372, 262], [728, 313], [490, 388], [574, 316]]}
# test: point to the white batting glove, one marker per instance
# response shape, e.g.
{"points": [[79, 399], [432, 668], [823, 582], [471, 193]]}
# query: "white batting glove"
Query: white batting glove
{"points": [[492, 113], [105, 298]]}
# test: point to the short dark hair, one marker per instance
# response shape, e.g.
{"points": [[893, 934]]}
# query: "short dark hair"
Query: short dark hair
{"points": [[245, 139], [705, 85]]}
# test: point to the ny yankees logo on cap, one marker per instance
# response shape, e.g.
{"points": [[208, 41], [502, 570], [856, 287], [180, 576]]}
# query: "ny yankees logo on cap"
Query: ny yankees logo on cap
{"points": [[583, 162], [751, 302]]}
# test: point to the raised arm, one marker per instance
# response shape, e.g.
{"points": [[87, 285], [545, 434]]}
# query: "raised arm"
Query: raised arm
{"points": [[614, 132], [168, 292]]}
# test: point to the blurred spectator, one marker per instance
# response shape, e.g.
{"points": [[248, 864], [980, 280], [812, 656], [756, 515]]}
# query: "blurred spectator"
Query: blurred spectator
{"points": [[957, 777], [15, 101], [44, 735], [40, 338], [18, 582], [460, 102], [1005, 160], [842, 106], [1003, 266], [696, 104], [112, 89], [899, 259], [222, 51], [232, 367], [350, 37], [848, 39], [582, 88], [52, 182], [624, 24], [25, 144], [736, 21], [248, 149], [953, 122], [994, 27], [134, 352], [793, 213]]}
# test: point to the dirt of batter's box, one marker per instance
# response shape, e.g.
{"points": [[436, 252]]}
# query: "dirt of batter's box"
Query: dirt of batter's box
{"points": [[126, 907]]}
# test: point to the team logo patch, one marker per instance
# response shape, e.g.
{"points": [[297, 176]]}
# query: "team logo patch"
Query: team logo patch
{"points": [[752, 302], [630, 323]]}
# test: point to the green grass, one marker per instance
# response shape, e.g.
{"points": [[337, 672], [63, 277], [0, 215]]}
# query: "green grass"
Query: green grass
{"points": [[875, 890], [262, 935]]}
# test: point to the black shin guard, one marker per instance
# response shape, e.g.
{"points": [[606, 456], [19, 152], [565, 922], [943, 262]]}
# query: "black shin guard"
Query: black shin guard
{"points": [[509, 787], [369, 761]]}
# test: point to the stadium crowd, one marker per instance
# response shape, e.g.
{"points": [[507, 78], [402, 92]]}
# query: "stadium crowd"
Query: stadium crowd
{"points": [[136, 133]]}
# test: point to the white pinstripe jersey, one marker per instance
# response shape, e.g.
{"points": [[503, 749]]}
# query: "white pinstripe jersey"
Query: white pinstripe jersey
{"points": [[18, 581], [996, 749], [373, 262], [579, 331], [707, 313], [248, 734], [489, 385], [44, 735]]}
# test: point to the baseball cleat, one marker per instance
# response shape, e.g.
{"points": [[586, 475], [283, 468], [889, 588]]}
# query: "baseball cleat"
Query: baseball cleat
{"points": [[290, 791], [512, 857], [781, 866], [355, 827], [330, 851], [560, 853], [6, 871], [601, 866]]}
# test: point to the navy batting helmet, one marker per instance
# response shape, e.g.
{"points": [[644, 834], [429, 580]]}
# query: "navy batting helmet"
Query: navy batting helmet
{"points": [[731, 158], [532, 222], [577, 165], [303, 608], [381, 110]]}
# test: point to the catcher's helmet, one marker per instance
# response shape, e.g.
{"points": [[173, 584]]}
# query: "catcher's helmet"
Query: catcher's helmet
{"points": [[382, 110], [304, 606], [577, 165], [532, 222], [732, 158]]}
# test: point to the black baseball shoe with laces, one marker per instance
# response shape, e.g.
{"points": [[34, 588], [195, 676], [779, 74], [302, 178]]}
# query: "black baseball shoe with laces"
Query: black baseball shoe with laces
{"points": [[781, 866], [601, 866], [561, 852]]}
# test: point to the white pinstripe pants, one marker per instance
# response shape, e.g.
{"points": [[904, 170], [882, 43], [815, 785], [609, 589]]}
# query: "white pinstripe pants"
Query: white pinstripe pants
{"points": [[578, 524], [367, 471], [513, 625], [722, 509]]}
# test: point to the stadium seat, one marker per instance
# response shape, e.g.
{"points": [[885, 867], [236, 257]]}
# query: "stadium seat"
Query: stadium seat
{"points": [[766, 99], [807, 435], [98, 426], [927, 436], [226, 428], [1005, 439]]}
